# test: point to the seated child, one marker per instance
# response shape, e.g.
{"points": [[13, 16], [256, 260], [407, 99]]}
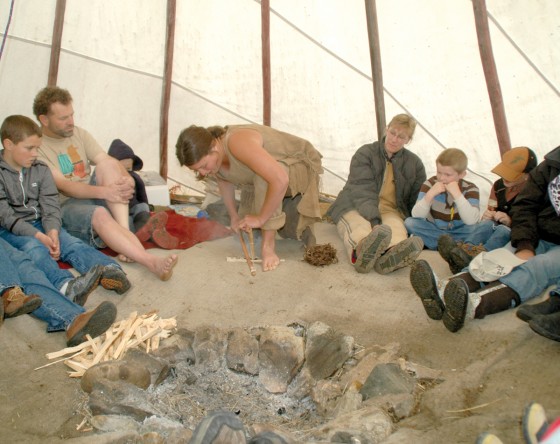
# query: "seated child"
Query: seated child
{"points": [[140, 221], [30, 217], [513, 171], [448, 204], [535, 236]]}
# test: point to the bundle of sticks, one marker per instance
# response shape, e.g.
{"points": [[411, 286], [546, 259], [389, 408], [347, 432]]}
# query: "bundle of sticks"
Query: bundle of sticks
{"points": [[143, 331]]}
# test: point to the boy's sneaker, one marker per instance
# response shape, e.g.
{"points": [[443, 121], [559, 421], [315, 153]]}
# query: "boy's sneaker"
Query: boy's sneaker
{"points": [[15, 302], [424, 284], [114, 278], [534, 423], [371, 247], [527, 312], [400, 255], [81, 287], [456, 297], [155, 222], [93, 323], [547, 325]]}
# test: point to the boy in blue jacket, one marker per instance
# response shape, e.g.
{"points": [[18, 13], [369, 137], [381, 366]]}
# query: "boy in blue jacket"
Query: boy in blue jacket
{"points": [[30, 217]]}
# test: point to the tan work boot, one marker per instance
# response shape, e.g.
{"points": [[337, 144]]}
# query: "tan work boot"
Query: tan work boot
{"points": [[15, 302], [93, 323]]}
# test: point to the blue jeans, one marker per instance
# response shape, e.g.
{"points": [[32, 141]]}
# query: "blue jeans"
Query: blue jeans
{"points": [[534, 276], [499, 237], [18, 270], [475, 234], [72, 250]]}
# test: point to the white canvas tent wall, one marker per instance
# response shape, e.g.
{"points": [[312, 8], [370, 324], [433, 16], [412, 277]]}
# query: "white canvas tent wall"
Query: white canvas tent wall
{"points": [[112, 62]]}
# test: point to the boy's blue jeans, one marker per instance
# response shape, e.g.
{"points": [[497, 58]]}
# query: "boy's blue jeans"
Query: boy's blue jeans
{"points": [[475, 234], [72, 250], [18, 270]]}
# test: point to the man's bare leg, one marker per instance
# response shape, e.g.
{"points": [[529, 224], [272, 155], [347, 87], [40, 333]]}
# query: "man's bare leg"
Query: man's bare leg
{"points": [[109, 172], [126, 243], [270, 259]]}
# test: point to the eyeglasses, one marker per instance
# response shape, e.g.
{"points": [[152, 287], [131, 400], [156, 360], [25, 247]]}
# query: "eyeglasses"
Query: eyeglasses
{"points": [[402, 137]]}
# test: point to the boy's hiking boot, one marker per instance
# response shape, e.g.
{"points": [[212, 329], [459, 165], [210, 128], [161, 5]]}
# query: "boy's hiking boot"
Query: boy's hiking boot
{"points": [[93, 323], [400, 255], [456, 297], [81, 287], [15, 302], [457, 254], [527, 312], [424, 284], [371, 247], [114, 278]]}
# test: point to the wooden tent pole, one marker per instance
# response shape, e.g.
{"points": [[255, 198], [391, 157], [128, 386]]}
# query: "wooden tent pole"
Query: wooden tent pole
{"points": [[166, 88], [265, 38], [491, 75], [376, 71], [56, 42]]}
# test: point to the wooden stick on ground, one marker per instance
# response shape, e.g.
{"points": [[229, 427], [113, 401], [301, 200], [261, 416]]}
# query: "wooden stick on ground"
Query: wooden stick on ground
{"points": [[252, 244], [246, 253]]}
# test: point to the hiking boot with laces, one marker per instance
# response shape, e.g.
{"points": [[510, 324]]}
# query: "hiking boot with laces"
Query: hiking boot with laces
{"points": [[114, 278], [93, 323], [81, 287], [15, 302], [445, 244], [155, 222], [371, 247], [456, 297], [424, 284], [401, 255]]}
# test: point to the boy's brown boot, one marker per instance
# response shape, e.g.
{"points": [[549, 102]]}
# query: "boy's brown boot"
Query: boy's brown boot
{"points": [[15, 302], [156, 222], [93, 323]]}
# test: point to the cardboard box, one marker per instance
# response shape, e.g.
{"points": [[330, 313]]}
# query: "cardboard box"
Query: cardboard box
{"points": [[156, 188]]}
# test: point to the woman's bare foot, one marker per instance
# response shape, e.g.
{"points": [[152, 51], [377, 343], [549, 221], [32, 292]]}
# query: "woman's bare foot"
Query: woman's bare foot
{"points": [[123, 258], [163, 266], [270, 259]]}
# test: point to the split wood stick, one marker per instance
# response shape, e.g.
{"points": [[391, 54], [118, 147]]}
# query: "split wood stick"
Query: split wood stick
{"points": [[69, 350], [246, 253], [242, 259], [252, 244]]}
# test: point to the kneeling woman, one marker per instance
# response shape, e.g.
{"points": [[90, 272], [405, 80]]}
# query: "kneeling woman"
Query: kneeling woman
{"points": [[278, 174]]}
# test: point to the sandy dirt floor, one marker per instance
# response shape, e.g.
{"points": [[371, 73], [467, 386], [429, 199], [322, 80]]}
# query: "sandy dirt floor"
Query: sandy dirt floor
{"points": [[492, 368]]}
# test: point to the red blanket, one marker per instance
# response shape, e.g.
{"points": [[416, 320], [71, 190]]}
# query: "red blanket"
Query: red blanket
{"points": [[189, 230]]}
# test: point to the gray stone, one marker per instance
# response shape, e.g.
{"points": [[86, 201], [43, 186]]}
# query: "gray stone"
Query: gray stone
{"points": [[325, 394], [281, 355], [159, 368], [118, 398], [350, 401], [209, 347], [177, 348], [113, 423], [370, 357], [387, 378], [399, 405], [242, 352], [301, 385], [124, 371], [367, 425], [326, 350]]}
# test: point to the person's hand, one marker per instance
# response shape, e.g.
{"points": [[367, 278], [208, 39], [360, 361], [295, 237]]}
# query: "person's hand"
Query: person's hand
{"points": [[454, 189], [525, 254], [249, 222], [502, 218], [120, 191], [488, 215], [52, 245], [436, 189]]}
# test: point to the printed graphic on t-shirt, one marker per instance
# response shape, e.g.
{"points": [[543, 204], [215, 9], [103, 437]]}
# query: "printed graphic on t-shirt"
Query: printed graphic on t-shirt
{"points": [[71, 163]]}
